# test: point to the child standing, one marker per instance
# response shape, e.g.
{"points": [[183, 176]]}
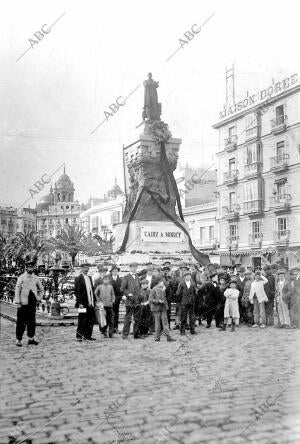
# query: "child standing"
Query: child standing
{"points": [[231, 310], [105, 295], [143, 318]]}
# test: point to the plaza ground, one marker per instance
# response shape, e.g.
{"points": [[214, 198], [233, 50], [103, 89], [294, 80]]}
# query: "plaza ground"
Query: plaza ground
{"points": [[216, 387]]}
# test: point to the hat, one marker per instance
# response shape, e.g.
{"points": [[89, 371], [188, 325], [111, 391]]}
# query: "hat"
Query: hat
{"points": [[257, 272], [267, 268], [281, 271], [85, 264], [166, 269], [242, 269], [144, 281], [233, 281], [133, 264], [165, 263], [187, 273], [29, 264], [114, 267], [249, 266]]}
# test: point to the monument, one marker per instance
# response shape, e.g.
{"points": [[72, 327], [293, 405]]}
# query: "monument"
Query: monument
{"points": [[150, 222]]}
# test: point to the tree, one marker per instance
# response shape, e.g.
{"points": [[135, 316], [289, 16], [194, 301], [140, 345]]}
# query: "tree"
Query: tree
{"points": [[71, 240], [105, 245], [23, 246]]}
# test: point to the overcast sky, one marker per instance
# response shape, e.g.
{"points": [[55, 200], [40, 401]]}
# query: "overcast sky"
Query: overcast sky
{"points": [[56, 94]]}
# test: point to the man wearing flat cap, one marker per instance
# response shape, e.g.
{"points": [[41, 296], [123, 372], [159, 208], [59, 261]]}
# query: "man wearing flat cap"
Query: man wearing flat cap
{"points": [[85, 301], [186, 295], [130, 289], [116, 282], [98, 277]]}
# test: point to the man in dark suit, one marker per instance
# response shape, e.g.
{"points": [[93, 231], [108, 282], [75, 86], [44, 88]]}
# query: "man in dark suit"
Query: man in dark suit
{"points": [[186, 295], [240, 285], [116, 282], [85, 299], [131, 289]]}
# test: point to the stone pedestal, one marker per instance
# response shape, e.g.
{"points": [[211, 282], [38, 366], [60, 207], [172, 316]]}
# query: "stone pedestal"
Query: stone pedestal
{"points": [[152, 237]]}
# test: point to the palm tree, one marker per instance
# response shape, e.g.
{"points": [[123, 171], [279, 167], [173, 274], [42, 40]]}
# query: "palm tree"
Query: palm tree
{"points": [[23, 246], [71, 240], [105, 245]]}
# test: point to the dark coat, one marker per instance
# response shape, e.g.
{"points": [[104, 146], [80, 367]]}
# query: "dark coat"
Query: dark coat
{"points": [[270, 286], [185, 295], [240, 285], [131, 288], [81, 291], [209, 294], [117, 288], [157, 294]]}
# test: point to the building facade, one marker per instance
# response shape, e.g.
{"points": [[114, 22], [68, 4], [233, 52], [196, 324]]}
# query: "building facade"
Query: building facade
{"points": [[8, 222], [203, 229], [26, 220], [101, 218], [258, 174], [58, 209]]}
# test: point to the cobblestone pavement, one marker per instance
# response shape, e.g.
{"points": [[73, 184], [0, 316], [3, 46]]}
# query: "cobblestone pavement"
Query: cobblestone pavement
{"points": [[216, 387]]}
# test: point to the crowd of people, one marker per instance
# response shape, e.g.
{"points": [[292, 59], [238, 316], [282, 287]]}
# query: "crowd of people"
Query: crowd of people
{"points": [[228, 295]]}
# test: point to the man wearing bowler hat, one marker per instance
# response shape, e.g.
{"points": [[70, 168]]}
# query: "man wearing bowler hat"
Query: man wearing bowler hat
{"points": [[28, 291], [186, 294], [116, 282], [131, 289], [85, 301]]}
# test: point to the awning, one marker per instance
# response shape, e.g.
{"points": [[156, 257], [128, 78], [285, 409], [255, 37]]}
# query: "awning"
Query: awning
{"points": [[247, 252]]}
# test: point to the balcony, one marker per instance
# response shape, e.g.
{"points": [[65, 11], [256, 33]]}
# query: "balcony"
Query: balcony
{"points": [[280, 163], [253, 169], [230, 143], [233, 242], [232, 212], [282, 202], [282, 237], [253, 207], [278, 125], [255, 239], [252, 133], [231, 177]]}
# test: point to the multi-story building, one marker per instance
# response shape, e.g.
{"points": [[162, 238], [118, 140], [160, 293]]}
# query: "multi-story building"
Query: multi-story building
{"points": [[26, 220], [58, 209], [202, 223], [258, 177], [8, 222], [196, 185], [101, 218]]}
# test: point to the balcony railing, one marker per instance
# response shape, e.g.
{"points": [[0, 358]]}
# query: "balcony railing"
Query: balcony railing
{"points": [[231, 176], [280, 162], [253, 169], [282, 236], [230, 143], [281, 202], [252, 133], [253, 206], [255, 239], [231, 212], [278, 124]]}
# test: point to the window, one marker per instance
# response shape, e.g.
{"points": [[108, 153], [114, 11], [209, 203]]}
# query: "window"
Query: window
{"points": [[281, 190], [202, 233], [252, 190], [233, 232], [280, 149], [281, 221], [232, 200], [253, 153], [231, 131], [211, 231], [279, 111], [250, 121], [256, 229], [231, 165], [67, 220]]}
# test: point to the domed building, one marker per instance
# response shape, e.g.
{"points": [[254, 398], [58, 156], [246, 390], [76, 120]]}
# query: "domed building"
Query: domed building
{"points": [[58, 209]]}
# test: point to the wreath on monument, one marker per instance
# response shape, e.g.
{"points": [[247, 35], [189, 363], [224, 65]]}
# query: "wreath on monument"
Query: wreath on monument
{"points": [[160, 131]]}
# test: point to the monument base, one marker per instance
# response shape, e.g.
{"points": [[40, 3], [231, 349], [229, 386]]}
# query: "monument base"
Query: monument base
{"points": [[152, 237]]}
